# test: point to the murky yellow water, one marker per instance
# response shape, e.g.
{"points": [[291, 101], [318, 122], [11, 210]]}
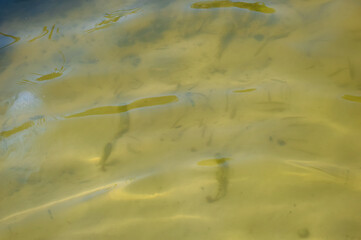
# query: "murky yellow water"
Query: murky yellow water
{"points": [[181, 120]]}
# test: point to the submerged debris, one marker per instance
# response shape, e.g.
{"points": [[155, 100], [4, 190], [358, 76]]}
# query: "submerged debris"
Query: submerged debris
{"points": [[221, 176]]}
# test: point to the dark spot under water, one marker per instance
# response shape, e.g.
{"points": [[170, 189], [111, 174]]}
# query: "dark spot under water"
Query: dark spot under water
{"points": [[50, 214], [259, 37], [303, 233], [281, 142]]}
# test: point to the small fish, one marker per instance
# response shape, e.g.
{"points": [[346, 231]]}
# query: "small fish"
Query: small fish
{"points": [[123, 128], [50, 214], [107, 151], [258, 6]]}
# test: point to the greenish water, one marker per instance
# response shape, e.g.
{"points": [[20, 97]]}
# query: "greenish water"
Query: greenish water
{"points": [[180, 120]]}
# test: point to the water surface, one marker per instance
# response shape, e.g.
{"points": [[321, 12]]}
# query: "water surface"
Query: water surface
{"points": [[180, 119]]}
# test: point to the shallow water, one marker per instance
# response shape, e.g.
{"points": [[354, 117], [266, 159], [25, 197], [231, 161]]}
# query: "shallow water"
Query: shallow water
{"points": [[180, 120]]}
